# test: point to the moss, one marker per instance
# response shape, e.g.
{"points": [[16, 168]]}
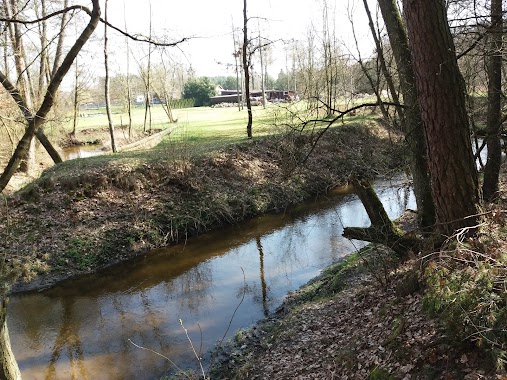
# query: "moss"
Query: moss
{"points": [[380, 374]]}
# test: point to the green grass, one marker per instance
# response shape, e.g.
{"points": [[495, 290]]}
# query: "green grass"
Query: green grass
{"points": [[97, 118], [198, 129]]}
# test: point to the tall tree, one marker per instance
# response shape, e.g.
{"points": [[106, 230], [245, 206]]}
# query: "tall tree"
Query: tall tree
{"points": [[411, 115], [107, 82], [493, 121], [441, 95], [35, 119], [246, 69]]}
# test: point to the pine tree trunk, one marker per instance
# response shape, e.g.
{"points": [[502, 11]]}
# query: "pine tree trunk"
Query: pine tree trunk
{"points": [[441, 94]]}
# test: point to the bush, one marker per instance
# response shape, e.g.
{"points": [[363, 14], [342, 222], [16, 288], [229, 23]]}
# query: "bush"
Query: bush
{"points": [[200, 90]]}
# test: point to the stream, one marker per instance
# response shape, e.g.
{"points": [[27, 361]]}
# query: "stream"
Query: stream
{"points": [[85, 328]]}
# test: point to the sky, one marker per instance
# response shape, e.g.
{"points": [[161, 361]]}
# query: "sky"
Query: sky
{"points": [[210, 24]]}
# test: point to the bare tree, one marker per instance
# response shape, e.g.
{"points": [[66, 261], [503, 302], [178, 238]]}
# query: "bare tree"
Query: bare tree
{"points": [[237, 55], [106, 83], [246, 69], [128, 86], [493, 122], [35, 119]]}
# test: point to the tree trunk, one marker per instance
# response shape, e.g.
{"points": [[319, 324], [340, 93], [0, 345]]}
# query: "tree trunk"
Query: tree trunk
{"points": [[412, 123], [441, 94], [106, 85], [53, 153], [76, 100], [246, 69], [35, 121], [492, 168], [19, 153], [9, 369], [236, 55], [382, 230], [382, 61], [263, 90]]}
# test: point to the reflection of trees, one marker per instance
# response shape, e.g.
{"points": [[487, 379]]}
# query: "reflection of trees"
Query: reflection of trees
{"points": [[69, 340], [263, 279], [245, 288], [194, 287]]}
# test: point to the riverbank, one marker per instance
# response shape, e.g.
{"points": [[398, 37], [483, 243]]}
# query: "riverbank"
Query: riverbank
{"points": [[346, 325], [439, 315], [86, 214]]}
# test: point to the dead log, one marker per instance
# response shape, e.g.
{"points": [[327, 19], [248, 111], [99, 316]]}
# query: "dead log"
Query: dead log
{"points": [[382, 230]]}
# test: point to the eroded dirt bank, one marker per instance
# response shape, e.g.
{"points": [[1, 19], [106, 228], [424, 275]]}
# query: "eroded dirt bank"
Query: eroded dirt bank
{"points": [[87, 214]]}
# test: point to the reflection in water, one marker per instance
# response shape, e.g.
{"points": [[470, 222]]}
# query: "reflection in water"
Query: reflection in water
{"points": [[81, 329], [264, 287], [82, 151]]}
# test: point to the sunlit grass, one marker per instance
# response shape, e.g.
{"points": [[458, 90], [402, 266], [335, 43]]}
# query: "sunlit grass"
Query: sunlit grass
{"points": [[203, 129]]}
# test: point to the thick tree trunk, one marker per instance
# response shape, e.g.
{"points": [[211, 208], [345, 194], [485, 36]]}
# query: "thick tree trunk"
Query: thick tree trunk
{"points": [[441, 94], [382, 230], [19, 153], [492, 168], [412, 123], [9, 369]]}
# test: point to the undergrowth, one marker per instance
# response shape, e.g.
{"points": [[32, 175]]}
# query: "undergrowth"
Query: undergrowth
{"points": [[467, 290]]}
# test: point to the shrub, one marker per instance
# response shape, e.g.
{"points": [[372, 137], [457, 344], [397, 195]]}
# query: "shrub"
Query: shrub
{"points": [[467, 290], [200, 90]]}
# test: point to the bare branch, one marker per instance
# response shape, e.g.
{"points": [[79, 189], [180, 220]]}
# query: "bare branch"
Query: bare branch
{"points": [[141, 38], [134, 37], [338, 117], [47, 17]]}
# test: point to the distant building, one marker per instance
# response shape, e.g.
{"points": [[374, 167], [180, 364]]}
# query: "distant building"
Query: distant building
{"points": [[231, 96]]}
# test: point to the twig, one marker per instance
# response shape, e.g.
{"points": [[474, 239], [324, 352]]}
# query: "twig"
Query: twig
{"points": [[231, 319], [159, 354], [199, 359]]}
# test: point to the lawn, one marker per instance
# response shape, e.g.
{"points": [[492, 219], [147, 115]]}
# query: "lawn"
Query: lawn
{"points": [[201, 129]]}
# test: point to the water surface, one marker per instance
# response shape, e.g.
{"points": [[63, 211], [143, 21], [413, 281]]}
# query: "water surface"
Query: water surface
{"points": [[82, 328]]}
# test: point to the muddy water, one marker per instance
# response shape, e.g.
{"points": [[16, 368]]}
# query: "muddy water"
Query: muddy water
{"points": [[83, 328]]}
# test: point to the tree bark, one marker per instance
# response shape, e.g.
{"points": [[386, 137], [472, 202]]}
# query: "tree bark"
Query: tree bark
{"points": [[441, 95], [9, 369], [246, 69], [106, 84], [382, 230], [412, 122], [492, 168]]}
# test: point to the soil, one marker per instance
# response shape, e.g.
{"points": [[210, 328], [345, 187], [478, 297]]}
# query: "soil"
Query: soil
{"points": [[100, 136]]}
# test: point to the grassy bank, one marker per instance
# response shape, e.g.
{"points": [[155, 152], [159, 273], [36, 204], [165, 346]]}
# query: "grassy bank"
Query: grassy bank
{"points": [[368, 317], [102, 210]]}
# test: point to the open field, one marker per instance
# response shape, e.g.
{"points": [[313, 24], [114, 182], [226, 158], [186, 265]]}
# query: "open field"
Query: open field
{"points": [[203, 127]]}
